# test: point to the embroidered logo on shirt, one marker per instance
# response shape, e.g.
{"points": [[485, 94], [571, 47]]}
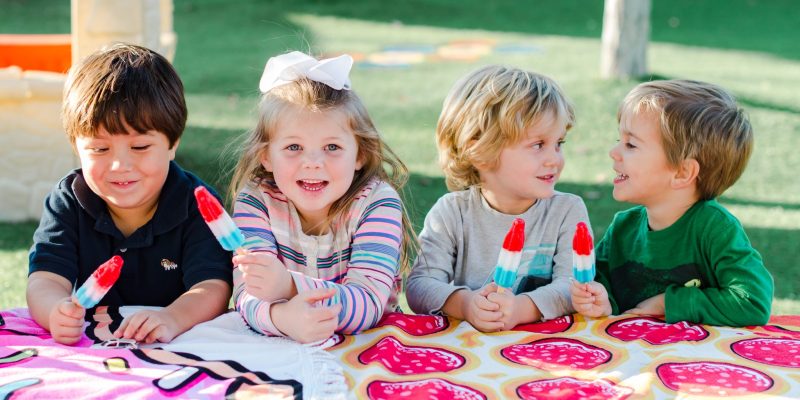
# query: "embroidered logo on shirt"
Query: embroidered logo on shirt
{"points": [[168, 265], [693, 283]]}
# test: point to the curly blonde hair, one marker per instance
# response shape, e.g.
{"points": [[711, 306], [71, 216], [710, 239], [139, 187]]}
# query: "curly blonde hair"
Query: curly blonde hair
{"points": [[488, 110]]}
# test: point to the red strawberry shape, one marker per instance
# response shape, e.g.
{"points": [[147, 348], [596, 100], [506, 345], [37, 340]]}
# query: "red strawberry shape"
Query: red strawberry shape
{"points": [[407, 360], [557, 353], [432, 389], [706, 378], [415, 325], [655, 331], [568, 388], [557, 325], [772, 351]]}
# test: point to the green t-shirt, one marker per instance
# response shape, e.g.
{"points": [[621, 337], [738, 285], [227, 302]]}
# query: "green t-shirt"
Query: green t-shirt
{"points": [[703, 262]]}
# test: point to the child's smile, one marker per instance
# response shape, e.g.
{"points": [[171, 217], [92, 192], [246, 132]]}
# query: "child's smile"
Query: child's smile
{"points": [[313, 156]]}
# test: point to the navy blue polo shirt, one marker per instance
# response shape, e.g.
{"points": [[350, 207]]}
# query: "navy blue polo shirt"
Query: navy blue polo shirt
{"points": [[163, 259]]}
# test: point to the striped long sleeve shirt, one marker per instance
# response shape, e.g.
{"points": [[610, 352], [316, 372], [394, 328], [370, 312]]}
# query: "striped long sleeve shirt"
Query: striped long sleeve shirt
{"points": [[360, 259]]}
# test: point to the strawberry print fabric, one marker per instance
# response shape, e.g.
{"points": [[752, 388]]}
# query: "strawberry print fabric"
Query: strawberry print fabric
{"points": [[621, 357]]}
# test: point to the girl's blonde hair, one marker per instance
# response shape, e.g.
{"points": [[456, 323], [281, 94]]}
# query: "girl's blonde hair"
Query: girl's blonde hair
{"points": [[488, 110], [374, 154]]}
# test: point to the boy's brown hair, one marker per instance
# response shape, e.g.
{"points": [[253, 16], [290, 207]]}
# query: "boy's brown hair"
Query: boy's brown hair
{"points": [[699, 121], [122, 87], [488, 110]]}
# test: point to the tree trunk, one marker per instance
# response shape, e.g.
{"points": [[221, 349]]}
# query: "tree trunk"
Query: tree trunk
{"points": [[626, 30]]}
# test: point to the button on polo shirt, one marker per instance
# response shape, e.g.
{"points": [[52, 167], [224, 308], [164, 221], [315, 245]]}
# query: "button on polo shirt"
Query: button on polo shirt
{"points": [[163, 259]]}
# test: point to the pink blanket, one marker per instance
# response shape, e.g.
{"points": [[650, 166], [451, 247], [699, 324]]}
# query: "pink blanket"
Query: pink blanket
{"points": [[218, 359], [414, 357]]}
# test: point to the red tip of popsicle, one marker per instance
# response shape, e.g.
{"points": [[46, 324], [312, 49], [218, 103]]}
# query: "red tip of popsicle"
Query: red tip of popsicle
{"points": [[582, 241], [515, 237], [107, 274], [208, 205]]}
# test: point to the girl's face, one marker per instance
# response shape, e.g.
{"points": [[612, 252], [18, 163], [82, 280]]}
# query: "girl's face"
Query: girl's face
{"points": [[313, 157], [528, 170]]}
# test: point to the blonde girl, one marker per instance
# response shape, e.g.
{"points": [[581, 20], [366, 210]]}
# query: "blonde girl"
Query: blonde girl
{"points": [[323, 221]]}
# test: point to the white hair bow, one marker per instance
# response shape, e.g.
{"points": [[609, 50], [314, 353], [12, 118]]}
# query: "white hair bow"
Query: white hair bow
{"points": [[289, 67]]}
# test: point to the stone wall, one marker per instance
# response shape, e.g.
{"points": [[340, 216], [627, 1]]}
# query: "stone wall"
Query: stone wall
{"points": [[35, 152]]}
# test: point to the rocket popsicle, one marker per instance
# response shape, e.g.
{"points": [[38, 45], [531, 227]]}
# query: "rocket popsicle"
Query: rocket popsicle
{"points": [[98, 284], [227, 233], [505, 273], [583, 254]]}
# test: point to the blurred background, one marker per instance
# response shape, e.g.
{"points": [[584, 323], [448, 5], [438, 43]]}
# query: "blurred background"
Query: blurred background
{"points": [[409, 53]]}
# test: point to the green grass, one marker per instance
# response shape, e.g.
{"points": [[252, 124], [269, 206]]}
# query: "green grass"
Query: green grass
{"points": [[747, 46]]}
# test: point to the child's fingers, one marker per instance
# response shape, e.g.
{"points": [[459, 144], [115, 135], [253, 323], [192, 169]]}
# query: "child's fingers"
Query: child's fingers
{"points": [[72, 310], [149, 326], [155, 334], [482, 303], [488, 315], [131, 325], [315, 295]]}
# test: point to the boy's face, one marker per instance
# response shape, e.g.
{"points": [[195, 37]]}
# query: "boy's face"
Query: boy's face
{"points": [[528, 170], [126, 170], [640, 161], [313, 157]]}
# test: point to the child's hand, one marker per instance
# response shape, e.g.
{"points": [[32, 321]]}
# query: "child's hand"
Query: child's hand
{"points": [[508, 303], [66, 322], [148, 326], [590, 299], [303, 320], [265, 276], [652, 306], [483, 314]]}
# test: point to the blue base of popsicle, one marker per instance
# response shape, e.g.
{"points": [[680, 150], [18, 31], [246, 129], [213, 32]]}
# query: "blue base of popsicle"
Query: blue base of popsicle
{"points": [[583, 275], [504, 278], [83, 299], [232, 241]]}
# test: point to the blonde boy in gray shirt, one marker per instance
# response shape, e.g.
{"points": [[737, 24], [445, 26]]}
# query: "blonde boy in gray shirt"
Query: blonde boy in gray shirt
{"points": [[499, 138]]}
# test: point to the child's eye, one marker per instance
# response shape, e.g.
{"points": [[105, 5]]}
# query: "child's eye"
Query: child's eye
{"points": [[537, 145], [293, 147], [629, 145], [332, 147], [98, 150], [141, 148], [561, 143]]}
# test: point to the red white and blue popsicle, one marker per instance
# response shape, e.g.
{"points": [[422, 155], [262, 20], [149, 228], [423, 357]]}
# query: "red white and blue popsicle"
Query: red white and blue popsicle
{"points": [[227, 233], [583, 254], [98, 284], [505, 273]]}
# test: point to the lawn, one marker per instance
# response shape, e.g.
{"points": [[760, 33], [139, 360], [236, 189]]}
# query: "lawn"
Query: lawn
{"points": [[748, 46]]}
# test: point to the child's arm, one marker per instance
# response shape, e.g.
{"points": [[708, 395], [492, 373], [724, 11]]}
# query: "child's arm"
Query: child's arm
{"points": [[366, 283], [429, 287], [202, 302], [50, 305], [743, 292], [252, 217]]}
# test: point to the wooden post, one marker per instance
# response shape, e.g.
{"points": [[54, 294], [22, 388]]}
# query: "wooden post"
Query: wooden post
{"points": [[626, 31]]}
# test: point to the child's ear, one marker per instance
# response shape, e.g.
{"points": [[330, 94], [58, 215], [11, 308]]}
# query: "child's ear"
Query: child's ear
{"points": [[174, 149], [686, 173], [264, 158]]}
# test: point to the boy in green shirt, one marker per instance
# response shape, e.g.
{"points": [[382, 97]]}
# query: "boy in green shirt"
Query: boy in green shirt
{"points": [[679, 253]]}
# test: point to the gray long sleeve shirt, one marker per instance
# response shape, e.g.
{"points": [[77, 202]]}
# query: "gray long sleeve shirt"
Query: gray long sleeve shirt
{"points": [[462, 238]]}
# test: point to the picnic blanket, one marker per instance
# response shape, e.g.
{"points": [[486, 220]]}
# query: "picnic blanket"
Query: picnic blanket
{"points": [[411, 357], [219, 359], [572, 358]]}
